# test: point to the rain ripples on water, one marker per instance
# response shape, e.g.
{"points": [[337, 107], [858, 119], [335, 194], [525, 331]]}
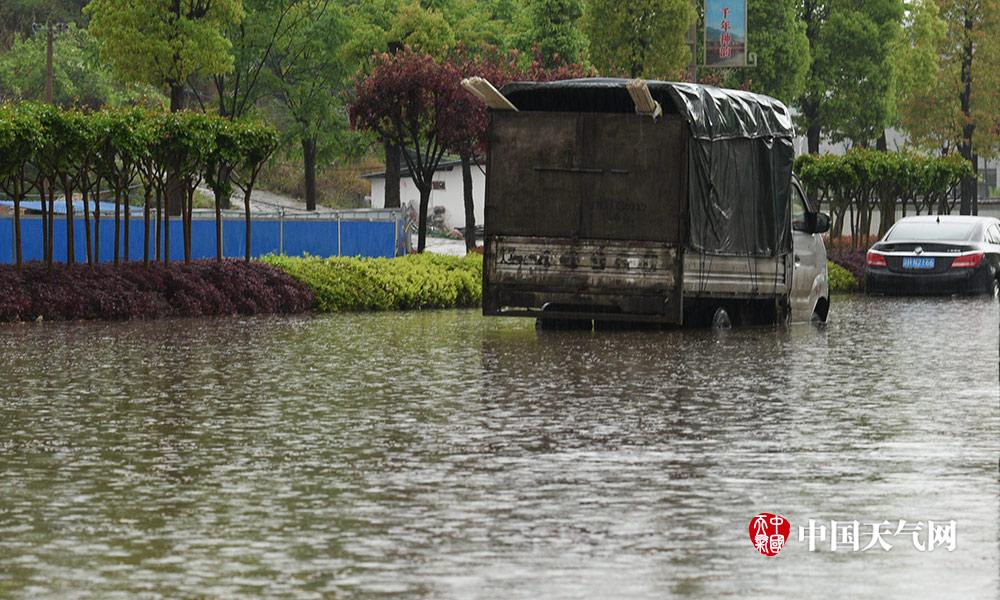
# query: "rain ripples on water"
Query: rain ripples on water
{"points": [[444, 455]]}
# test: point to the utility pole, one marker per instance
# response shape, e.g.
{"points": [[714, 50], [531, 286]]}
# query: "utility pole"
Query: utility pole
{"points": [[50, 29]]}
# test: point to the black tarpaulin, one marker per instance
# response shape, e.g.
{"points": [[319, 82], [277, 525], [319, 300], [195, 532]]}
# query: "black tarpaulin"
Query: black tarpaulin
{"points": [[740, 158]]}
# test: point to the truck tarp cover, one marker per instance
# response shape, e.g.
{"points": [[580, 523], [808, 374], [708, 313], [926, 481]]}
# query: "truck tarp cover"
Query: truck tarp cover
{"points": [[740, 159]]}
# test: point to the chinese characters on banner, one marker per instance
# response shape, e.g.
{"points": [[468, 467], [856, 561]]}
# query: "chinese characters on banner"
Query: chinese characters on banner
{"points": [[725, 33]]}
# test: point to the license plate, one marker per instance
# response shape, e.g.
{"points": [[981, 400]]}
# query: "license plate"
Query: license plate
{"points": [[910, 262]]}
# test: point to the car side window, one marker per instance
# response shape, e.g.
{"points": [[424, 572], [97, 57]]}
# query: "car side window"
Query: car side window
{"points": [[799, 212], [993, 235]]}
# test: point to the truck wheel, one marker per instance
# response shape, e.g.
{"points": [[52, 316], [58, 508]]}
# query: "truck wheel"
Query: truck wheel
{"points": [[822, 311], [721, 319]]}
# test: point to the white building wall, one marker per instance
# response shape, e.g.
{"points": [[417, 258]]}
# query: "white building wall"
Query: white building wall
{"points": [[451, 197]]}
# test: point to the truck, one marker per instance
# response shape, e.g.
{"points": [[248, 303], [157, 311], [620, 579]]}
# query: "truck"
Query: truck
{"points": [[682, 209]]}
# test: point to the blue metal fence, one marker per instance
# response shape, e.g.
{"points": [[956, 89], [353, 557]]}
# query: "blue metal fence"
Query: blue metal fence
{"points": [[366, 233]]}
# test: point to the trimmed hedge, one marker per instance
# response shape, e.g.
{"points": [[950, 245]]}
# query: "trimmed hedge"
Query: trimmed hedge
{"points": [[842, 281], [134, 291], [412, 282]]}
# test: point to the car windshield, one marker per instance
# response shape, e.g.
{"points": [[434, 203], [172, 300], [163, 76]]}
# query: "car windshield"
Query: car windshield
{"points": [[931, 232]]}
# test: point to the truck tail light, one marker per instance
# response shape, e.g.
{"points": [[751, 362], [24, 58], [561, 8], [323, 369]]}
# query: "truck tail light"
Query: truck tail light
{"points": [[968, 261], [876, 260]]}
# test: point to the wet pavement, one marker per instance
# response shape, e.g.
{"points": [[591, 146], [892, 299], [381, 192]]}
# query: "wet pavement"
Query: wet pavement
{"points": [[444, 455]]}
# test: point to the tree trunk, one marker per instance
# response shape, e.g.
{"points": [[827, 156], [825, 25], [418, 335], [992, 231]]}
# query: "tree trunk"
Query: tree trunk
{"points": [[70, 239], [470, 206], [176, 98], [146, 201], [969, 129], [975, 193], [218, 226], [127, 208], [159, 222], [97, 222], [118, 226], [175, 190], [86, 223], [44, 222], [189, 206], [882, 143], [52, 222], [166, 237], [392, 169], [813, 136], [425, 201], [309, 155], [246, 216], [18, 191]]}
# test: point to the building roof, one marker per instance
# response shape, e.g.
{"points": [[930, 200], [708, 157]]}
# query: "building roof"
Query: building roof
{"points": [[446, 165]]}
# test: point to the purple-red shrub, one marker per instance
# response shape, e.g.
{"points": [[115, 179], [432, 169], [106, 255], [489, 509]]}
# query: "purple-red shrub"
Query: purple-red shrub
{"points": [[134, 291], [852, 260]]}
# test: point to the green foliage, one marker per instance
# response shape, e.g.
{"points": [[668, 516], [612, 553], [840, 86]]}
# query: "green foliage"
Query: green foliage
{"points": [[421, 28], [74, 148], [413, 282], [857, 183], [641, 38], [555, 28], [778, 37], [841, 280], [78, 76], [850, 91], [164, 43]]}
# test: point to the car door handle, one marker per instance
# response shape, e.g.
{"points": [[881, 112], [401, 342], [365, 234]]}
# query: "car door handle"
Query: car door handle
{"points": [[798, 261]]}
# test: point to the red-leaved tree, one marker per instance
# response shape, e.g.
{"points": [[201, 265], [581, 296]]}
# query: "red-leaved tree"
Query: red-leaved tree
{"points": [[410, 100], [467, 137]]}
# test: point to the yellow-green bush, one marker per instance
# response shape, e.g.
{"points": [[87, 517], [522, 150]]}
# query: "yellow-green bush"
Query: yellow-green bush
{"points": [[842, 281], [411, 282]]}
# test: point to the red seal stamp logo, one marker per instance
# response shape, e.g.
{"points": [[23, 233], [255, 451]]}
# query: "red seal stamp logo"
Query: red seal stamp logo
{"points": [[768, 533]]}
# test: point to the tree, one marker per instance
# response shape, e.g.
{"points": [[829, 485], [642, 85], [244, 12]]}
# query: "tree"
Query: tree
{"points": [[409, 99], [778, 37], [644, 38], [386, 26], [164, 42], [850, 88], [308, 72], [970, 53], [554, 27], [924, 105], [466, 135], [18, 16], [20, 139], [79, 78]]}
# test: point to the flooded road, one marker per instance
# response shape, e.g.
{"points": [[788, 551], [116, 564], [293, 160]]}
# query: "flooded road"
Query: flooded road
{"points": [[443, 455]]}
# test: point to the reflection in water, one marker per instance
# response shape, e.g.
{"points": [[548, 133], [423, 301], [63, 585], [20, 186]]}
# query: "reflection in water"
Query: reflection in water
{"points": [[444, 455]]}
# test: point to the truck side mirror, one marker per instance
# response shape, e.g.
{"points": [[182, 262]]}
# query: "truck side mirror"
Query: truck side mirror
{"points": [[822, 223]]}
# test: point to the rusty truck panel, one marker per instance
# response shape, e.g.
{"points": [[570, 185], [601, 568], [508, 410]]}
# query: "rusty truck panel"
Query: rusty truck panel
{"points": [[603, 277], [586, 216]]}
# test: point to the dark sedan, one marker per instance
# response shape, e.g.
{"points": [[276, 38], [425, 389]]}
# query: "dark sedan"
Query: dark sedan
{"points": [[937, 255]]}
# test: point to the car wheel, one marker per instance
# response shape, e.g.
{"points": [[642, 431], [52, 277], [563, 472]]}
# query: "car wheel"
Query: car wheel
{"points": [[996, 288]]}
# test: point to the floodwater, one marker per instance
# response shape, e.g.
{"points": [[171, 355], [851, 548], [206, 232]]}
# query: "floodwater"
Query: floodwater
{"points": [[443, 455]]}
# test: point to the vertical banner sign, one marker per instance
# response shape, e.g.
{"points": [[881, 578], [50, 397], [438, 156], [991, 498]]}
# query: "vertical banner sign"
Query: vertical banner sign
{"points": [[725, 33]]}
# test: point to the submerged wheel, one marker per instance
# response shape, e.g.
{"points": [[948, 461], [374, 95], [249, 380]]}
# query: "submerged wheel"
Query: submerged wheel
{"points": [[721, 320]]}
